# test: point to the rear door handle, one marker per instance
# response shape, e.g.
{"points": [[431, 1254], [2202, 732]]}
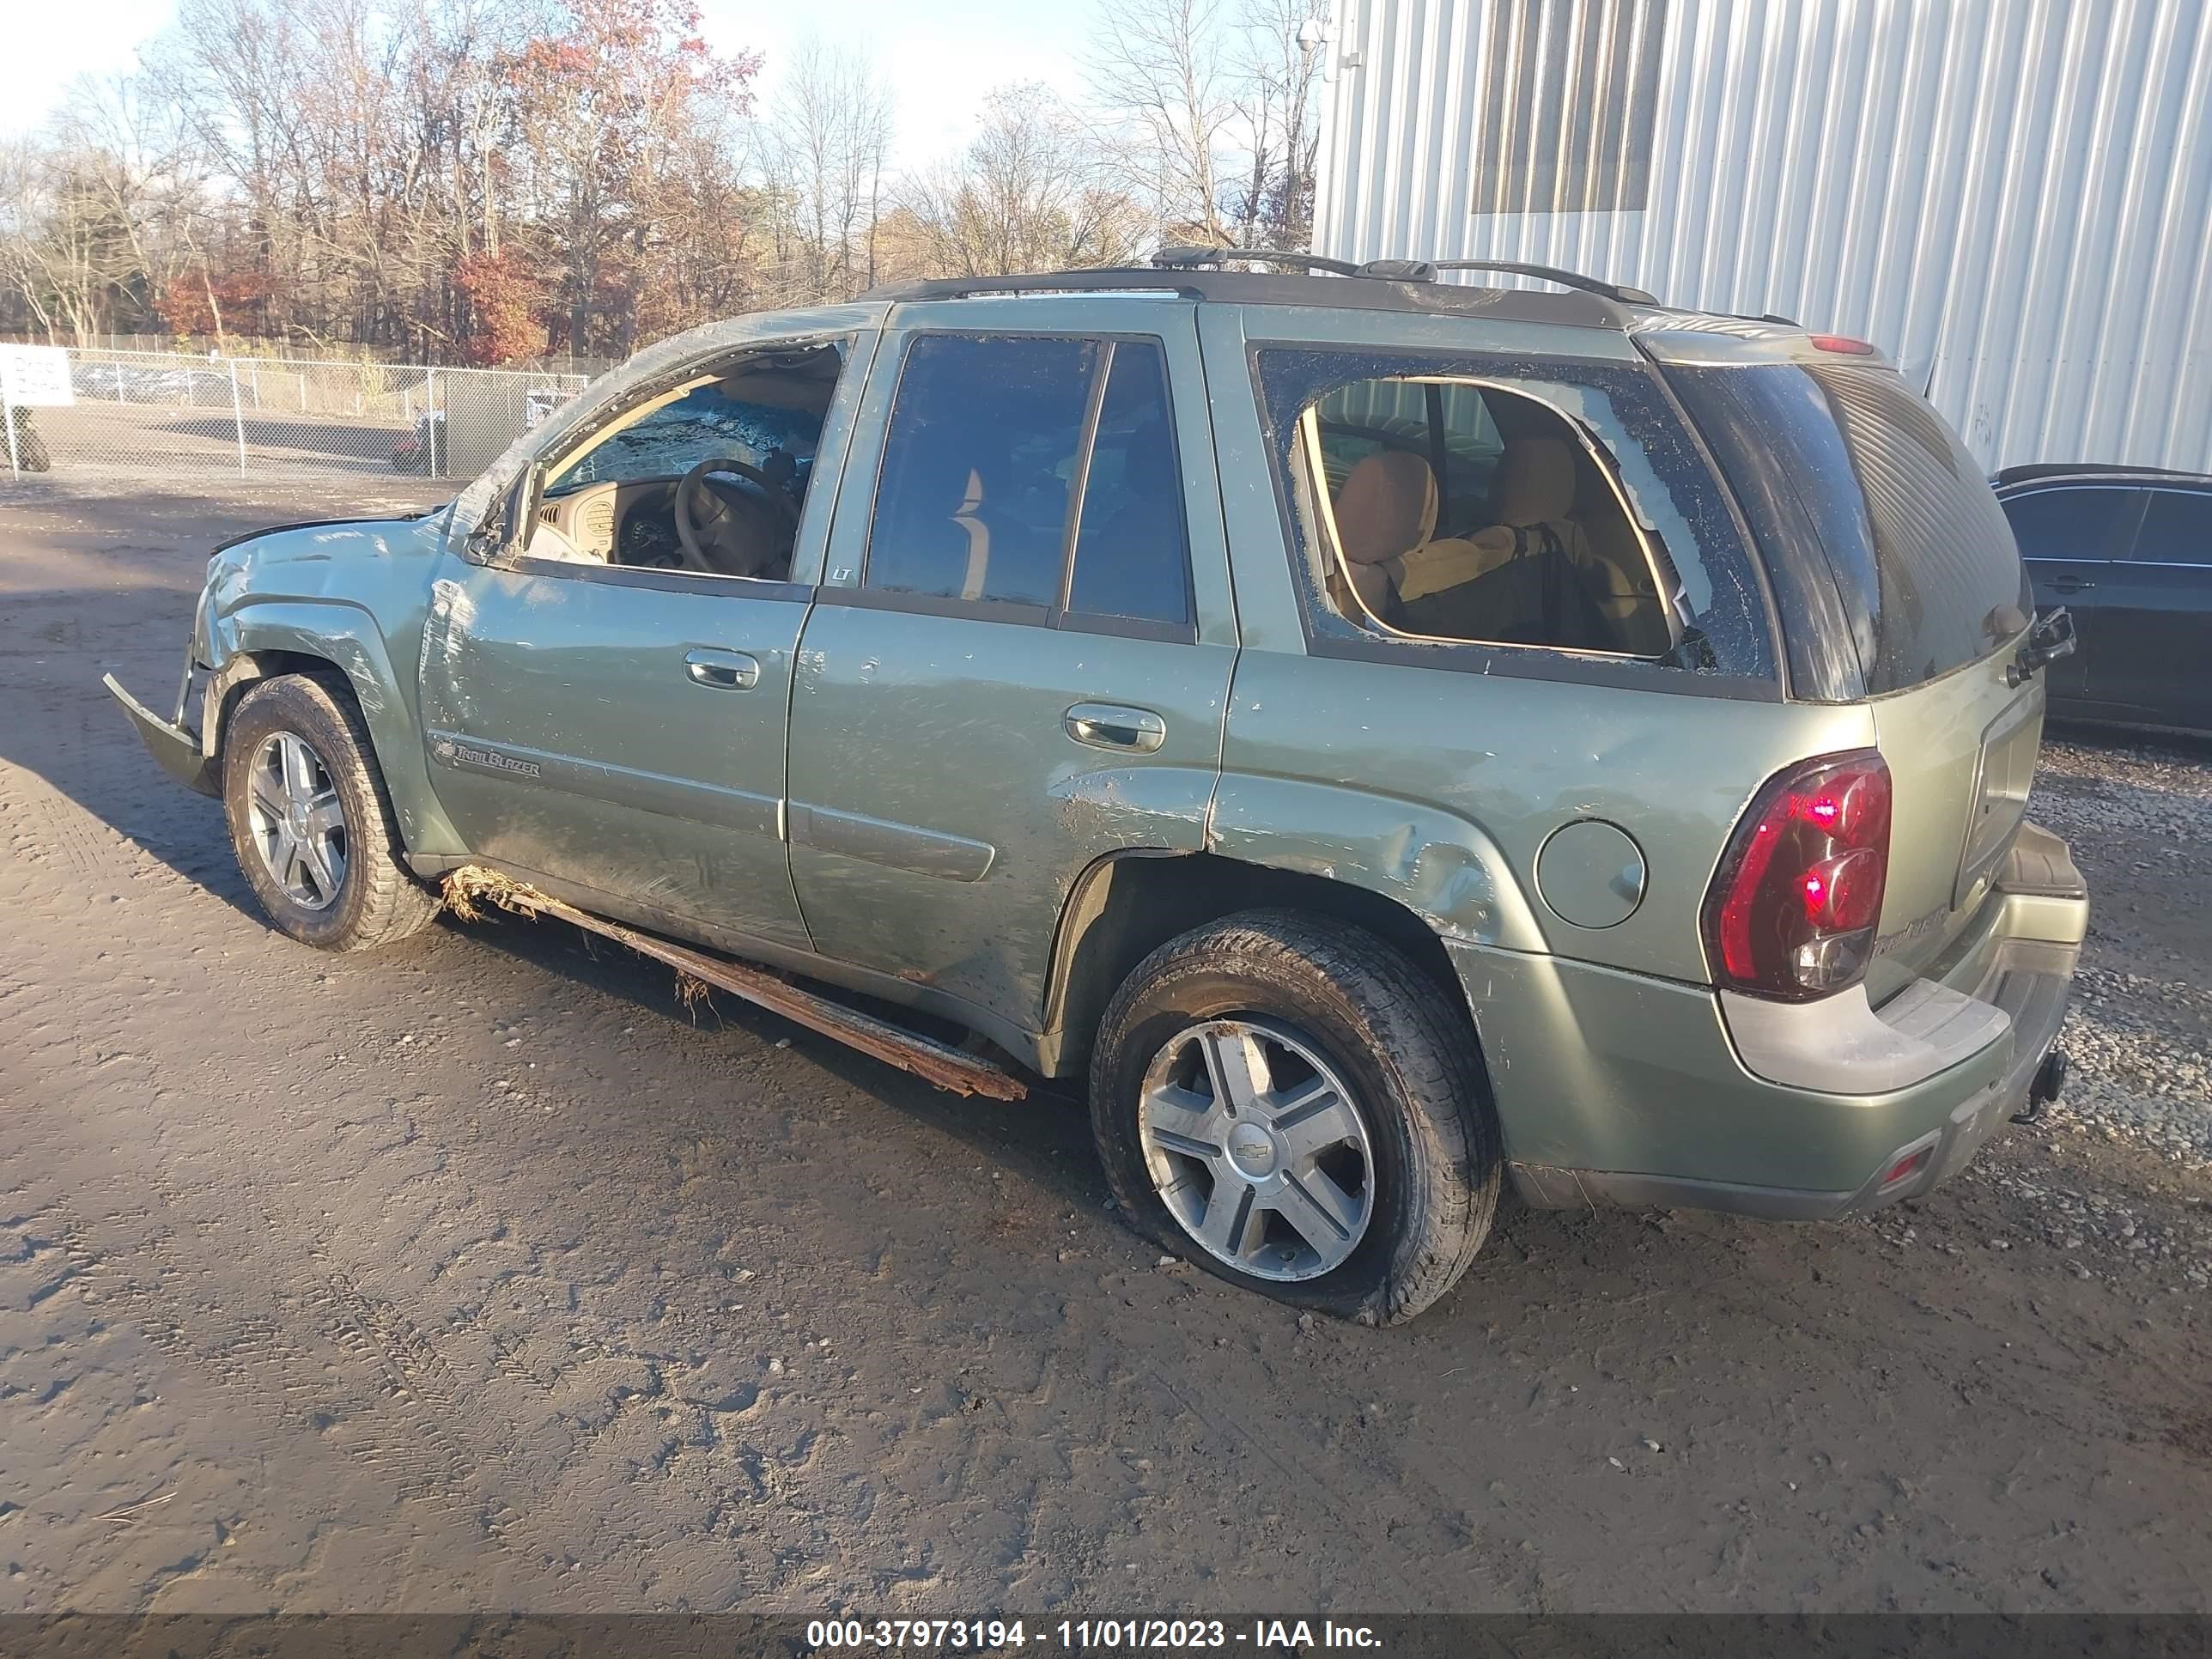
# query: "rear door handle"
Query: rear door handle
{"points": [[2070, 585], [1112, 726], [724, 670]]}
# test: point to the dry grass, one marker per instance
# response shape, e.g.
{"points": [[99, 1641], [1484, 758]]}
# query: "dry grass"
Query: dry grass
{"points": [[470, 888], [473, 890], [696, 994]]}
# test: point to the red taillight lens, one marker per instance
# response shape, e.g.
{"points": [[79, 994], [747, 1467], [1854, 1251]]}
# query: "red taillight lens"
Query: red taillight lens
{"points": [[1910, 1164], [1793, 910], [1841, 343]]}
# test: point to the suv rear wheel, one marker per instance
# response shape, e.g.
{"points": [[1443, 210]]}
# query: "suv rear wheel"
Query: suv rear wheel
{"points": [[1289, 1102], [310, 820]]}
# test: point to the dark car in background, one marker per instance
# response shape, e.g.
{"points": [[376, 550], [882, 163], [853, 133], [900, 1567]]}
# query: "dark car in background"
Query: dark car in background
{"points": [[424, 450], [2128, 550]]}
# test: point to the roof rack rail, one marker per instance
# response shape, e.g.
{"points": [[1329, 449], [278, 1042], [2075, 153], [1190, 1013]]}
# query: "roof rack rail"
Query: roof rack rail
{"points": [[1086, 281], [1192, 256], [1398, 270], [1613, 291], [1202, 274], [1393, 270]]}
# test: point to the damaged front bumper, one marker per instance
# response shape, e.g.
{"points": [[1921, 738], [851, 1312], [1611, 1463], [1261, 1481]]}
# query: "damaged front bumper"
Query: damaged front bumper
{"points": [[184, 754], [176, 749]]}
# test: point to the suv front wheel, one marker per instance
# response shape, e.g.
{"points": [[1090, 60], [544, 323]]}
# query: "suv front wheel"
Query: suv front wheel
{"points": [[1292, 1103], [311, 820]]}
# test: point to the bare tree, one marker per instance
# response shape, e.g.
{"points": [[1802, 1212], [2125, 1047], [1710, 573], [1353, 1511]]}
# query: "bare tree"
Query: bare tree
{"points": [[823, 150], [1031, 192], [1279, 73], [1160, 72], [1213, 112], [82, 212], [134, 153]]}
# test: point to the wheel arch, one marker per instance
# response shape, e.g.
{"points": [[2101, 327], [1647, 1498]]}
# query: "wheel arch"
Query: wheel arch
{"points": [[1130, 903], [341, 646]]}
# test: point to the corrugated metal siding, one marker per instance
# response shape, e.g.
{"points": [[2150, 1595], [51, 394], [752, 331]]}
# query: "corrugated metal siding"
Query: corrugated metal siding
{"points": [[2013, 198]]}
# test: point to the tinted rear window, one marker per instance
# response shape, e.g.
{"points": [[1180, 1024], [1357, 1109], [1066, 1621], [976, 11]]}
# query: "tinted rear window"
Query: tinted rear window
{"points": [[1846, 458], [978, 468]]}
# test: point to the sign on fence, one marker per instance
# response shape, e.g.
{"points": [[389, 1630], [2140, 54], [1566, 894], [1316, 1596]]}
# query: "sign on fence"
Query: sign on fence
{"points": [[37, 376]]}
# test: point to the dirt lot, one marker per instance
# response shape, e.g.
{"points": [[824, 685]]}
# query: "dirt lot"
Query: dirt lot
{"points": [[480, 1275]]}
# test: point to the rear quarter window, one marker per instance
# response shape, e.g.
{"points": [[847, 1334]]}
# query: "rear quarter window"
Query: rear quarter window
{"points": [[1442, 407], [1916, 572], [1947, 585]]}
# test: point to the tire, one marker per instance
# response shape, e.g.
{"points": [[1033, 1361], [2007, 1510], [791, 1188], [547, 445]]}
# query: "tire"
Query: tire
{"points": [[1330, 1010], [372, 899]]}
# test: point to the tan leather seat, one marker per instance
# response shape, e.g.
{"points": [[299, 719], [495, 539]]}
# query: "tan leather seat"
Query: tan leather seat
{"points": [[1536, 482], [1540, 481], [1387, 508], [1535, 485]]}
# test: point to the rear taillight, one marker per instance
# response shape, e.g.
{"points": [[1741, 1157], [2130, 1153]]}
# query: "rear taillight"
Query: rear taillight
{"points": [[1794, 908], [1842, 344]]}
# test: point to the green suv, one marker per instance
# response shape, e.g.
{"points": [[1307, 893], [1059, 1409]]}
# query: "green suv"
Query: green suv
{"points": [[1390, 736]]}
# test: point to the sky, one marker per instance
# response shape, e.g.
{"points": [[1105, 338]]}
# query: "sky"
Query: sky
{"points": [[939, 57], [49, 45]]}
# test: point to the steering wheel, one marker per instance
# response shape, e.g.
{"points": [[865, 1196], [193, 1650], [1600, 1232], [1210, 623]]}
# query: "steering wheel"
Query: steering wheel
{"points": [[689, 530]]}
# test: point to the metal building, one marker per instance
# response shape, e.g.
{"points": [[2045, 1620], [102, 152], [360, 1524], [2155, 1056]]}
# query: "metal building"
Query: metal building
{"points": [[2012, 198]]}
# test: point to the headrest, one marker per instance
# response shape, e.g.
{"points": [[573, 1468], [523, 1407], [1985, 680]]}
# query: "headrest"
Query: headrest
{"points": [[1537, 481], [1387, 507]]}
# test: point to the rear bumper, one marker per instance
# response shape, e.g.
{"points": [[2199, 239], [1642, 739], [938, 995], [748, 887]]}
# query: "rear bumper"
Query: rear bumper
{"points": [[1616, 1089]]}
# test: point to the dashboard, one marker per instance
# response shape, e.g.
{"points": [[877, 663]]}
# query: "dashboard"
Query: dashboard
{"points": [[630, 522]]}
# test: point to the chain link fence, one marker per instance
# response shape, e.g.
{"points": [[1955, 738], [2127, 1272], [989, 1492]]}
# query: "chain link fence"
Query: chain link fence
{"points": [[137, 416]]}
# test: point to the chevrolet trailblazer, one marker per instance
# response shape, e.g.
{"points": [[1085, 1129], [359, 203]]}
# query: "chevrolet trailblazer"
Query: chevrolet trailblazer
{"points": [[1392, 736]]}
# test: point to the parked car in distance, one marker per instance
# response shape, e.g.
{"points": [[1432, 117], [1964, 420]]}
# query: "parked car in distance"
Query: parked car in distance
{"points": [[423, 450], [2128, 552], [1390, 736]]}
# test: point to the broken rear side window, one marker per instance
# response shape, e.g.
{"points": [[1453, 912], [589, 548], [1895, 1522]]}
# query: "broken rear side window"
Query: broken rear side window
{"points": [[1464, 503]]}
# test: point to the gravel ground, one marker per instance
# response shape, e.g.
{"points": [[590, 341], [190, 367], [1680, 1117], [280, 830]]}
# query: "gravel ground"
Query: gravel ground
{"points": [[2140, 1028], [2138, 1033], [482, 1273]]}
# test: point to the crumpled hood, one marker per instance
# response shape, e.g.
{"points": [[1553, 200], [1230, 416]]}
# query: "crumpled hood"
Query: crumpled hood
{"points": [[300, 560]]}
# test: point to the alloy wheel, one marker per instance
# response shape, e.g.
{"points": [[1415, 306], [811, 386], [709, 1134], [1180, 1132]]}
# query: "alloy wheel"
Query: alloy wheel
{"points": [[298, 820], [1254, 1143]]}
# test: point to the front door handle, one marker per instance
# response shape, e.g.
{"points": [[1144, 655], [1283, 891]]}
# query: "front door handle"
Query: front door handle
{"points": [[1112, 726], [2070, 585], [724, 670]]}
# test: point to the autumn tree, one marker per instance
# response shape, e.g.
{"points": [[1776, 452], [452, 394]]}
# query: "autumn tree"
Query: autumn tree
{"points": [[479, 179], [504, 309], [615, 112]]}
